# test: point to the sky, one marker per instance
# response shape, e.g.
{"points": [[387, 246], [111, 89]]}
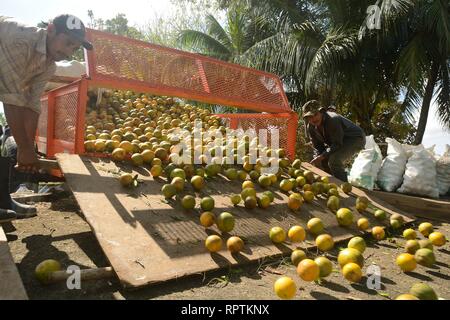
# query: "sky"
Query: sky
{"points": [[140, 12]]}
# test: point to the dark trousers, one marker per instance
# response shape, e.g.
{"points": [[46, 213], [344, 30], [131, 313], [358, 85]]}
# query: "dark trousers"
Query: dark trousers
{"points": [[335, 162]]}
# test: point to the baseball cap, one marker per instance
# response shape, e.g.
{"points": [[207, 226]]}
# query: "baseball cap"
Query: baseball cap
{"points": [[311, 108], [73, 27]]}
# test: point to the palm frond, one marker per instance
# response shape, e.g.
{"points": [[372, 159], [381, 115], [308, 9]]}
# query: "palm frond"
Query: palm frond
{"points": [[443, 96], [216, 31], [203, 43]]}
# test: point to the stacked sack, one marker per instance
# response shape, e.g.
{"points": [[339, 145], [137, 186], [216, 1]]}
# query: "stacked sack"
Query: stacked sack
{"points": [[420, 176], [365, 169], [443, 172], [393, 168]]}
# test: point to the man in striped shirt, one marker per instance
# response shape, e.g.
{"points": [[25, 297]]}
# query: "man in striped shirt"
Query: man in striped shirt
{"points": [[27, 62]]}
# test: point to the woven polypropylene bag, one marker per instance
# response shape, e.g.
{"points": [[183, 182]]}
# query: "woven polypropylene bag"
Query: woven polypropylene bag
{"points": [[443, 172], [420, 175], [393, 168]]}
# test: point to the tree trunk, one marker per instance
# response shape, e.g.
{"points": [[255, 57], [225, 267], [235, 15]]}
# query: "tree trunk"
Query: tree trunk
{"points": [[428, 96]]}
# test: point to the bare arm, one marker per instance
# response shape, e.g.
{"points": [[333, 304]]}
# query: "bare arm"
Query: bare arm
{"points": [[23, 123]]}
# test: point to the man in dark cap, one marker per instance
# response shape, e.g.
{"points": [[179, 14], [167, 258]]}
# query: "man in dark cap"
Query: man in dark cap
{"points": [[27, 62], [335, 139]]}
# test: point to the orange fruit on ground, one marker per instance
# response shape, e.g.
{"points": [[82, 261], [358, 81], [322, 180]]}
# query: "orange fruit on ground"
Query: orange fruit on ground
{"points": [[43, 269], [378, 233], [295, 201], [247, 184], [235, 244], [352, 272], [344, 217], [277, 235], [325, 266], [426, 229], [198, 182], [409, 234], [207, 219], [406, 262], [363, 224], [325, 242], [225, 222], [213, 243], [357, 243], [349, 255], [296, 234], [156, 171], [207, 204], [126, 179], [285, 288], [406, 296], [315, 226], [308, 270], [297, 256], [437, 239]]}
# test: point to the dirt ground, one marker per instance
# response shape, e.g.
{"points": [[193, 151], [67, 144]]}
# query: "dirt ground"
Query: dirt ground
{"points": [[60, 232]]}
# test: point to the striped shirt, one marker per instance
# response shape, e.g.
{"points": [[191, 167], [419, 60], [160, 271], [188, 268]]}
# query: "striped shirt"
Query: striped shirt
{"points": [[24, 67]]}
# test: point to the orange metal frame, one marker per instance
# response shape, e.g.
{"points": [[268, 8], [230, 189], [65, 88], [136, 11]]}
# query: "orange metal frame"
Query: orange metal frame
{"points": [[51, 145]]}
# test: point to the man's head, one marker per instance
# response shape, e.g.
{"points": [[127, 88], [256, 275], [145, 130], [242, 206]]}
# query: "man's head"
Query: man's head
{"points": [[312, 112], [65, 35]]}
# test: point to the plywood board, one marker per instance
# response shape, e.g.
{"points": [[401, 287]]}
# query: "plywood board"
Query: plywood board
{"points": [[149, 240], [418, 206], [11, 286]]}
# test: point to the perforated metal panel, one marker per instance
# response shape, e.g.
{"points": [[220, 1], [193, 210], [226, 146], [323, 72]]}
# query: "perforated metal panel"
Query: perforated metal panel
{"points": [[66, 116], [176, 73], [41, 135]]}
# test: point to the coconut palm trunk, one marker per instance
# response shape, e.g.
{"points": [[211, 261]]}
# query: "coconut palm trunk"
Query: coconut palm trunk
{"points": [[428, 96]]}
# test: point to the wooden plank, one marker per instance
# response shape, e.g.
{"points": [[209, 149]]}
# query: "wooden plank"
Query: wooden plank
{"points": [[11, 286], [379, 203], [149, 240], [420, 207]]}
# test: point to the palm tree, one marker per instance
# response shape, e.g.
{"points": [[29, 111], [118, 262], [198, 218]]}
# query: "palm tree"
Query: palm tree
{"points": [[240, 32], [422, 34]]}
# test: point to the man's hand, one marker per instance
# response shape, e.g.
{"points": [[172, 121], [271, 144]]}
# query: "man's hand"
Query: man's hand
{"points": [[317, 161]]}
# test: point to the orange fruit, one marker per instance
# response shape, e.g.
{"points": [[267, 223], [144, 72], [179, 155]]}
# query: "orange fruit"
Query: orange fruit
{"points": [[426, 229], [308, 270], [285, 288], [378, 233], [127, 146], [349, 255], [325, 266], [352, 272], [409, 234], [156, 171], [296, 234], [213, 243], [325, 242], [295, 201], [297, 256], [315, 226], [225, 222], [406, 296], [437, 239], [277, 235], [207, 219], [344, 217], [235, 244], [118, 154], [363, 224], [406, 262]]}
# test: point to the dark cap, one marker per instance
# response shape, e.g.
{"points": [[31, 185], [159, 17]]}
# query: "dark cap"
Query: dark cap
{"points": [[73, 27], [311, 108]]}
